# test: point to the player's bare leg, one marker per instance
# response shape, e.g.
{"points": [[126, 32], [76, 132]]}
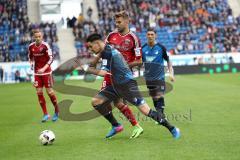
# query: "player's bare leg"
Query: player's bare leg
{"points": [[53, 98], [42, 103], [127, 112]]}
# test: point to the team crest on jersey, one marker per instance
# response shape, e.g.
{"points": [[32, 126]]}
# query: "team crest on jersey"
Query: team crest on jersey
{"points": [[125, 45], [127, 41]]}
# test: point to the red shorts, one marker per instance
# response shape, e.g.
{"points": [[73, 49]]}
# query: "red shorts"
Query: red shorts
{"points": [[43, 80], [106, 81]]}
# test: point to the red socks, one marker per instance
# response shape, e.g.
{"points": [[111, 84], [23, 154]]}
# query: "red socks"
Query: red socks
{"points": [[127, 112], [42, 102], [54, 102]]}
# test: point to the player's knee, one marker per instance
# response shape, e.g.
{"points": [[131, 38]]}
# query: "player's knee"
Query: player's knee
{"points": [[144, 109], [158, 96], [119, 105], [50, 91], [39, 92], [96, 101]]}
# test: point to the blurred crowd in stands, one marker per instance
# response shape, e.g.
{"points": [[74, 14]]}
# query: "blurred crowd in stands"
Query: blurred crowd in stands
{"points": [[16, 31], [183, 26], [82, 27]]}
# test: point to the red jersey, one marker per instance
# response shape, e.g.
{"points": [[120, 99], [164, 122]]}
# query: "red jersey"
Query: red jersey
{"points": [[40, 55], [128, 45]]}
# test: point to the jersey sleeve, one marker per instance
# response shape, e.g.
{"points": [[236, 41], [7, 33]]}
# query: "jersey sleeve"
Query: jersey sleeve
{"points": [[143, 53], [164, 54], [105, 65], [30, 56], [49, 53]]}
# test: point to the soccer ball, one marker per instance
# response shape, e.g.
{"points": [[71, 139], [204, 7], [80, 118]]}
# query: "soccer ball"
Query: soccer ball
{"points": [[47, 137]]}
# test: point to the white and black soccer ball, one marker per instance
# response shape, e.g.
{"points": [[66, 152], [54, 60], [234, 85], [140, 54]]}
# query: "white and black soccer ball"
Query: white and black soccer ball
{"points": [[47, 137]]}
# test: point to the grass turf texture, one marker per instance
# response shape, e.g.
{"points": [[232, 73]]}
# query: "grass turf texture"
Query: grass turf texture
{"points": [[206, 109]]}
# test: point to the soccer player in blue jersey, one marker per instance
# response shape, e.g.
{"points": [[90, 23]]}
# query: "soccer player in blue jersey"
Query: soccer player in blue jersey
{"points": [[123, 84], [153, 57]]}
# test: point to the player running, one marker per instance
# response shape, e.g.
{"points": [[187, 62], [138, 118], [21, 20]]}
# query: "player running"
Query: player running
{"points": [[128, 44], [123, 84], [153, 57], [40, 58]]}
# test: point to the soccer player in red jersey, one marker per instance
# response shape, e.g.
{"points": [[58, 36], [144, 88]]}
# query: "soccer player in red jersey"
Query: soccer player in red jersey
{"points": [[129, 45], [41, 58]]}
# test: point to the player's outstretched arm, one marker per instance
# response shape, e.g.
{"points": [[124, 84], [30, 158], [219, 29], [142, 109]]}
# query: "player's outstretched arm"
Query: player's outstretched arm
{"points": [[93, 70], [97, 72], [95, 61]]}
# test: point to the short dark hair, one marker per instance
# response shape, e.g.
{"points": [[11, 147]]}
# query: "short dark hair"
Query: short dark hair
{"points": [[124, 14], [151, 30], [94, 37]]}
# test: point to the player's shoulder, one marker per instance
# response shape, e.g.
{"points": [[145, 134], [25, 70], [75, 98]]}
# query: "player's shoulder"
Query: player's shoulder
{"points": [[112, 50], [112, 33], [144, 45], [107, 50], [135, 39], [133, 35], [45, 44], [110, 36], [31, 44], [161, 46]]}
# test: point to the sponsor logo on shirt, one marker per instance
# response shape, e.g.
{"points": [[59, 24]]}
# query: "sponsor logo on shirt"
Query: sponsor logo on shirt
{"points": [[38, 54], [125, 45]]}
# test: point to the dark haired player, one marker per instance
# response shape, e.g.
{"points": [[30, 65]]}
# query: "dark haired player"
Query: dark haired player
{"points": [[128, 44], [154, 55], [123, 85]]}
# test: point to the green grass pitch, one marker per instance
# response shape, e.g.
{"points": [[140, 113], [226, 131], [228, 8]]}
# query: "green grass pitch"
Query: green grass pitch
{"points": [[205, 107]]}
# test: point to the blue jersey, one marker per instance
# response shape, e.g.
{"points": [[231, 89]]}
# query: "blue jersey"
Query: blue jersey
{"points": [[113, 62], [153, 59]]}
